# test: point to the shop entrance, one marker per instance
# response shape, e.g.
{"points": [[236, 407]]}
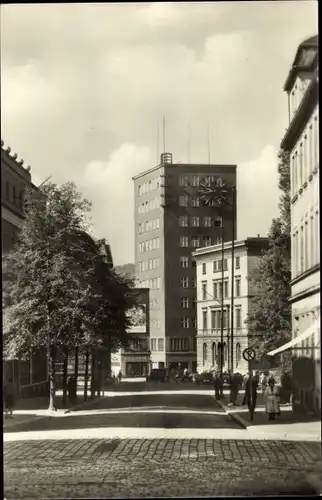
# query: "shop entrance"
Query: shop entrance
{"points": [[136, 369]]}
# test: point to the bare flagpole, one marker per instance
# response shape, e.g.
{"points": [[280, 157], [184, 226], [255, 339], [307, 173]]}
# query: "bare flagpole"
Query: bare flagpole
{"points": [[158, 137], [164, 134], [208, 140]]}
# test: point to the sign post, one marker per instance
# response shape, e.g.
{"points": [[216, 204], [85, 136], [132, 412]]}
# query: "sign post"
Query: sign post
{"points": [[249, 355]]}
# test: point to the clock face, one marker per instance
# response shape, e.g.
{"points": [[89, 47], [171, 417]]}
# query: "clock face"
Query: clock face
{"points": [[213, 193]]}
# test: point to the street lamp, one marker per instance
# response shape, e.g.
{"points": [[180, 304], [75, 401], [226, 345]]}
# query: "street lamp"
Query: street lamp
{"points": [[215, 193]]}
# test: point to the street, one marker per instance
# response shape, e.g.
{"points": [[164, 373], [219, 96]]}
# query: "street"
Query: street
{"points": [[42, 460]]}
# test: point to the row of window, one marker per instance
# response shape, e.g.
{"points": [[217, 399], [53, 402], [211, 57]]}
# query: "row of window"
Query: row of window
{"points": [[153, 284], [148, 186], [194, 201], [157, 344], [139, 345], [149, 245], [305, 158], [216, 317], [306, 246], [150, 225], [149, 205], [218, 291], [184, 302], [216, 354], [148, 265], [217, 265], [196, 221], [184, 282], [195, 180], [184, 262], [186, 323], [16, 199], [196, 242]]}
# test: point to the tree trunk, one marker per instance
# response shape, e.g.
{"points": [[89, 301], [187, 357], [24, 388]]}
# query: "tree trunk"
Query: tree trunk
{"points": [[65, 376], [93, 375], [52, 376], [76, 364], [86, 375]]}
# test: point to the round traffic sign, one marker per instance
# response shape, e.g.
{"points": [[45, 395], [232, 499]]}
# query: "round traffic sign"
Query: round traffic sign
{"points": [[249, 354]]}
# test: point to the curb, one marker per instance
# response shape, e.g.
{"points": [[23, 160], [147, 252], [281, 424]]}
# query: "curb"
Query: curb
{"points": [[235, 417], [84, 404]]}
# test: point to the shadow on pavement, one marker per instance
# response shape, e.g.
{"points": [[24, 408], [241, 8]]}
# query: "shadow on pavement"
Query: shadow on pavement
{"points": [[134, 420]]}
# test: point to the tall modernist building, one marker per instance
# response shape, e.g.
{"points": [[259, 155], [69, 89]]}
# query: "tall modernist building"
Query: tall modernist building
{"points": [[301, 140], [172, 221]]}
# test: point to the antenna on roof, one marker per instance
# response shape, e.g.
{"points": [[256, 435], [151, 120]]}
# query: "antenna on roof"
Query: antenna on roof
{"points": [[163, 133], [208, 140], [189, 143], [158, 137], [45, 181]]}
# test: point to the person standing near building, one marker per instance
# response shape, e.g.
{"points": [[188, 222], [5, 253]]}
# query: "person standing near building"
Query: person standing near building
{"points": [[119, 377], [9, 394], [217, 385], [251, 393], [272, 400]]}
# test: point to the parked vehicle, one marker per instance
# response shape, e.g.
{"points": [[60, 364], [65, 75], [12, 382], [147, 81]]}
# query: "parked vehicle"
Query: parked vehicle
{"points": [[204, 378], [158, 375]]}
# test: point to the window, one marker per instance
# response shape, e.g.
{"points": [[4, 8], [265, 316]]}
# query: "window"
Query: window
{"points": [[204, 268], [207, 241], [312, 257], [158, 223], [184, 302], [184, 241], [214, 266], [184, 282], [204, 290], [213, 354], [153, 344], [301, 166], [184, 262], [184, 322], [213, 319], [195, 243], [195, 201], [237, 287], [195, 221], [302, 250], [195, 180], [158, 242], [194, 324], [183, 201], [204, 354], [215, 289], [205, 319], [306, 246], [158, 283], [179, 344], [238, 317], [20, 199], [220, 290], [225, 318], [183, 180], [207, 221], [238, 354], [219, 265], [193, 262], [226, 289], [194, 302], [237, 263], [183, 221], [225, 352], [161, 344], [193, 283], [225, 264], [7, 191]]}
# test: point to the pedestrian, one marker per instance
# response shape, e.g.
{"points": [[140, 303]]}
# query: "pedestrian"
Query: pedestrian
{"points": [[9, 394], [217, 385], [234, 388], [119, 376], [70, 388], [245, 379], [272, 400], [251, 393]]}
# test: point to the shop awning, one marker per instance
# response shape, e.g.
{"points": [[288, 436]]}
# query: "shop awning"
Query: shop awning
{"points": [[292, 343]]}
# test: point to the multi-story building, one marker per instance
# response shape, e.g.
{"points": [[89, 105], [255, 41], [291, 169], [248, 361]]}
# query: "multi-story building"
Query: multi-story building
{"points": [[171, 221], [30, 377], [301, 140], [214, 275]]}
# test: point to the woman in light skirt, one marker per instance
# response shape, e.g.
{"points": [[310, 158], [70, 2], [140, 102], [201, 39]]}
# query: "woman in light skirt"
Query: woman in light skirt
{"points": [[272, 400]]}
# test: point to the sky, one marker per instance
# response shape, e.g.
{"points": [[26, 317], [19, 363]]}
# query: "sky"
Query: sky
{"points": [[84, 88]]}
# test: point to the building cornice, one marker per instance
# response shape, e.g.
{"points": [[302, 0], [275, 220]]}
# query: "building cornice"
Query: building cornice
{"points": [[11, 217], [304, 294], [304, 275], [302, 115], [247, 244]]}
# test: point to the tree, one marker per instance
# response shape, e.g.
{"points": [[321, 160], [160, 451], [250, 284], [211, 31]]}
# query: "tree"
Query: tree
{"points": [[269, 320], [47, 288]]}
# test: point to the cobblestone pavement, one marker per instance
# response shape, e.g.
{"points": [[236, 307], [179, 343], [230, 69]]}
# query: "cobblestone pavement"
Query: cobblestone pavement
{"points": [[157, 468]]}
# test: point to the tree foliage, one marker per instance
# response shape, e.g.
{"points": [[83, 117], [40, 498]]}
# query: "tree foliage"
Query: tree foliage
{"points": [[269, 321], [59, 291]]}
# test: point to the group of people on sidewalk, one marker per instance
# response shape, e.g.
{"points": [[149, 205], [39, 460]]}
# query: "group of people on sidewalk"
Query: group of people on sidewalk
{"points": [[235, 381]]}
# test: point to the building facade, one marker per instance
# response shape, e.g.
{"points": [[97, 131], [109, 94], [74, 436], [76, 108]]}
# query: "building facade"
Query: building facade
{"points": [[213, 287], [301, 140], [29, 377], [170, 223]]}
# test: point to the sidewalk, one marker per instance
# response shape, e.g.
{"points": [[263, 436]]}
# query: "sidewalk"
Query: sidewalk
{"points": [[286, 425], [31, 409]]}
